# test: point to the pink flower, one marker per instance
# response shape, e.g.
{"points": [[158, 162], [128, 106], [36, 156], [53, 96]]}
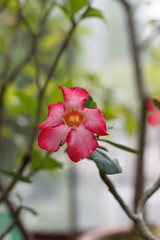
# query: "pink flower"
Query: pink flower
{"points": [[71, 122], [154, 117]]}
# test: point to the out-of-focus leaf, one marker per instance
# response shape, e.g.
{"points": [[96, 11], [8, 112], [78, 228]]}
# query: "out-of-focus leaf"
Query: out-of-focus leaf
{"points": [[27, 103], [63, 8], [156, 103], [19, 197], [131, 123], [13, 5], [20, 103], [39, 162], [49, 41], [103, 148], [105, 162], [93, 12], [73, 6], [77, 5], [128, 149], [31, 210], [90, 103], [15, 176]]}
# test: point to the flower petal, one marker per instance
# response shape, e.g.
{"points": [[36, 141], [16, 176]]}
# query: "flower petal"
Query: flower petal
{"points": [[95, 121], [52, 138], [81, 143], [55, 113], [154, 119], [74, 97], [151, 106]]}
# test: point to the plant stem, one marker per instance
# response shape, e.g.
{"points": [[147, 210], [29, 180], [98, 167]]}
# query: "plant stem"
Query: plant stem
{"points": [[143, 229], [146, 195], [112, 189], [136, 218], [139, 178]]}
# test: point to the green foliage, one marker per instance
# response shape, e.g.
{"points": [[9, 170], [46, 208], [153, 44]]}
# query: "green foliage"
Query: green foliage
{"points": [[22, 103], [90, 103], [27, 103], [15, 176], [31, 210], [75, 6], [40, 162], [131, 123], [156, 103], [93, 12], [72, 6], [105, 162], [125, 148]]}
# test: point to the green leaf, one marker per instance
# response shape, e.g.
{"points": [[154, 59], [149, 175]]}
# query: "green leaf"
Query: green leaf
{"points": [[15, 176], [27, 103], [156, 103], [105, 162], [63, 8], [34, 212], [39, 162], [76, 5], [93, 12], [31, 210], [90, 103], [130, 123], [103, 148], [128, 149], [19, 197], [72, 6]]}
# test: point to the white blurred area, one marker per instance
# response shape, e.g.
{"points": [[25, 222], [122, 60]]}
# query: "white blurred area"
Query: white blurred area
{"points": [[86, 203]]}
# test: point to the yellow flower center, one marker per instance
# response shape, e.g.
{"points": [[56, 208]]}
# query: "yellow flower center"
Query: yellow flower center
{"points": [[73, 118]]}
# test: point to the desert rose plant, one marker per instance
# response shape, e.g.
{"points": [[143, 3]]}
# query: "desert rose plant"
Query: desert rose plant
{"points": [[77, 121], [71, 122]]}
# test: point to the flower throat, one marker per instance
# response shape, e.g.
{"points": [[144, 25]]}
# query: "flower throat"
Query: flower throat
{"points": [[73, 118]]}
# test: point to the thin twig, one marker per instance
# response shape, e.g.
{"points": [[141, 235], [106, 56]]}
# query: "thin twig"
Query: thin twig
{"points": [[5, 192], [45, 18], [15, 220], [9, 54], [23, 63], [12, 76], [56, 60], [38, 68], [7, 63], [146, 42], [146, 195], [12, 209], [27, 25], [12, 224], [136, 218], [112, 189]]}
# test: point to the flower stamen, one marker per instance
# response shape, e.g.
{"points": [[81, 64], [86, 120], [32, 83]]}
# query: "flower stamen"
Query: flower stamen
{"points": [[73, 118]]}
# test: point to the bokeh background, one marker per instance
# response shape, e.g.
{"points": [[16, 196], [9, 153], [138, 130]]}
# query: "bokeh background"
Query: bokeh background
{"points": [[98, 59]]}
